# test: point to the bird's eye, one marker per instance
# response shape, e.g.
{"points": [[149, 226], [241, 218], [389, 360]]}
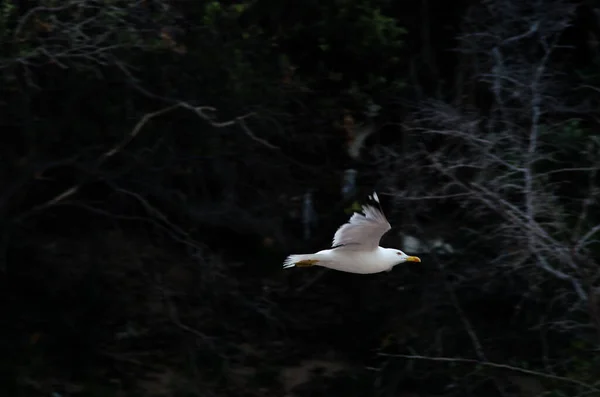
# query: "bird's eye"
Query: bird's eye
{"points": [[399, 253]]}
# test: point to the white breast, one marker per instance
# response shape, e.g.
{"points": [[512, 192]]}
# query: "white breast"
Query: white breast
{"points": [[361, 262]]}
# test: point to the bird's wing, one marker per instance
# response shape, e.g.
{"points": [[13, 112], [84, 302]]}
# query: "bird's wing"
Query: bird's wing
{"points": [[362, 232]]}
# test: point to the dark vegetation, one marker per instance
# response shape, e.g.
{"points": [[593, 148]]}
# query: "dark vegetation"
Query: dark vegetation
{"points": [[161, 158]]}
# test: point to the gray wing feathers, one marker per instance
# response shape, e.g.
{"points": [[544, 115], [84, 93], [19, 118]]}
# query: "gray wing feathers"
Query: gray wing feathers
{"points": [[362, 231]]}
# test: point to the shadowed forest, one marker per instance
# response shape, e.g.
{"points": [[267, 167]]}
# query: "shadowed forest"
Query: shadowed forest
{"points": [[160, 159]]}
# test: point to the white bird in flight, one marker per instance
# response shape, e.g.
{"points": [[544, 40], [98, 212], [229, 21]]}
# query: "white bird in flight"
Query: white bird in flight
{"points": [[355, 247]]}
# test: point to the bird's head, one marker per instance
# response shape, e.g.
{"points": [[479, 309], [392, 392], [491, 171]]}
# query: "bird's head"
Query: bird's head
{"points": [[402, 257]]}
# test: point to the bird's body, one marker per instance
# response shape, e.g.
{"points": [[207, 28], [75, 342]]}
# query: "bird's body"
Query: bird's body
{"points": [[361, 262], [355, 247]]}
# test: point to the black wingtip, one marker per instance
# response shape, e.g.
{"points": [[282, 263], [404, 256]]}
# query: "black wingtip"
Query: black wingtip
{"points": [[374, 197]]}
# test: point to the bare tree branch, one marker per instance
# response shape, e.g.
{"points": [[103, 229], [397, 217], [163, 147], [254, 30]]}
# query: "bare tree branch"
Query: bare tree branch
{"points": [[504, 160], [199, 111], [489, 364]]}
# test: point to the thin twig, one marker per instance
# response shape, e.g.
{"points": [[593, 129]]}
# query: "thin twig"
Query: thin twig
{"points": [[498, 366]]}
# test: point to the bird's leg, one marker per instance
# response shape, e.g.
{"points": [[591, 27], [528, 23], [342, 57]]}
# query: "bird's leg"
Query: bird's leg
{"points": [[306, 263]]}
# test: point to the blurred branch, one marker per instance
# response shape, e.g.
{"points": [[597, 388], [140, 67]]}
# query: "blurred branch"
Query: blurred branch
{"points": [[174, 316], [200, 111], [109, 153], [489, 364]]}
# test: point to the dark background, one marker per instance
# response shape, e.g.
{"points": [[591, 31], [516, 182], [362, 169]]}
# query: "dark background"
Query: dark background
{"points": [[157, 161]]}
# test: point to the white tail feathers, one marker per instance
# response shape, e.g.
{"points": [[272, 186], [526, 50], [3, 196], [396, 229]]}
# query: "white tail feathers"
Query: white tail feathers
{"points": [[300, 260]]}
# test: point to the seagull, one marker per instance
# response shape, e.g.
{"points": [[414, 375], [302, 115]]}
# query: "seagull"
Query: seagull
{"points": [[355, 247]]}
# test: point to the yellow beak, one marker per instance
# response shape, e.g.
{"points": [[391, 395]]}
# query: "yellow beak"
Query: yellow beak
{"points": [[413, 259]]}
